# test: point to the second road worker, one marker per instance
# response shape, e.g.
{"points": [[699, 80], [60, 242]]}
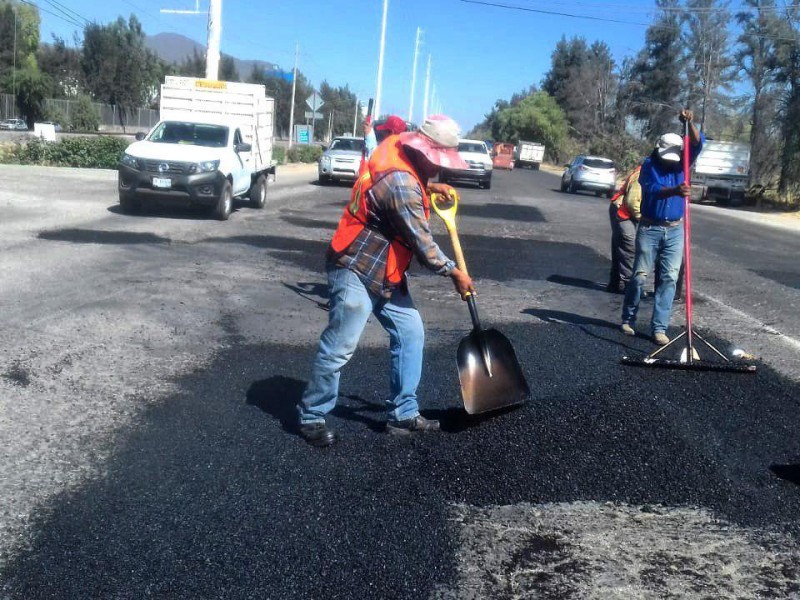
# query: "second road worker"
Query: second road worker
{"points": [[383, 227]]}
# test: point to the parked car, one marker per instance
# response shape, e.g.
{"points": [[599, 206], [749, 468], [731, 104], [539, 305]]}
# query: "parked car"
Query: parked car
{"points": [[476, 155], [591, 173], [341, 159], [14, 125], [503, 156]]}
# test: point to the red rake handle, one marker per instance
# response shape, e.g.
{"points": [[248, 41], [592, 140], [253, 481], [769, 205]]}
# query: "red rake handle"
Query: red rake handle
{"points": [[687, 243]]}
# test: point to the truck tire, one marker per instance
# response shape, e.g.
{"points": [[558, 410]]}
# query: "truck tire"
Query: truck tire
{"points": [[571, 188], [258, 192], [535, 166], [225, 203], [737, 199], [487, 185], [129, 205]]}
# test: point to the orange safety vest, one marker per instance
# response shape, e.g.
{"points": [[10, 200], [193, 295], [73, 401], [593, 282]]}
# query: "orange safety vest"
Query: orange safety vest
{"points": [[387, 158]]}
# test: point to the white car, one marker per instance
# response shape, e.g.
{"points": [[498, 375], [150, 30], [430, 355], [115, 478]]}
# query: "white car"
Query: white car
{"points": [[341, 160], [476, 155], [591, 173]]}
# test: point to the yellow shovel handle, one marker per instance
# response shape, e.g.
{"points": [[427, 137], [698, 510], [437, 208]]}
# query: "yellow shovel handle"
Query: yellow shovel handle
{"points": [[448, 215]]}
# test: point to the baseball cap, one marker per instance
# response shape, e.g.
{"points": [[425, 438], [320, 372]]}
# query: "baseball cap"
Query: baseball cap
{"points": [[437, 140], [393, 124], [669, 147]]}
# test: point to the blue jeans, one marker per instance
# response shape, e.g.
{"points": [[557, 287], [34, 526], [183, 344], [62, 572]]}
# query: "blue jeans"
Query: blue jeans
{"points": [[662, 248], [351, 305]]}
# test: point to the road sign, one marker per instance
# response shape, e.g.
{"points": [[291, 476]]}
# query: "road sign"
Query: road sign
{"points": [[302, 134], [315, 102], [313, 115]]}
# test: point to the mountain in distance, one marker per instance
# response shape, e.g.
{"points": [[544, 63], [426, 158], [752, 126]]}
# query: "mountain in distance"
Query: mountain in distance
{"points": [[174, 48]]}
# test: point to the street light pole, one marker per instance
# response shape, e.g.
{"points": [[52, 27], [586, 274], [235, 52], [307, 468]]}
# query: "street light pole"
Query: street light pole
{"points": [[414, 77], [294, 89], [380, 59], [355, 117], [427, 89]]}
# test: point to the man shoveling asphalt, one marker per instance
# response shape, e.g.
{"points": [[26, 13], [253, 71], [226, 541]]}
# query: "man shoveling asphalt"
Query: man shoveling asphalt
{"points": [[382, 229]]}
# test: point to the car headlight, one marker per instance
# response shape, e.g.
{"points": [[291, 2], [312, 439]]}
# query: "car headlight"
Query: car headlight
{"points": [[204, 167], [130, 161], [325, 161]]}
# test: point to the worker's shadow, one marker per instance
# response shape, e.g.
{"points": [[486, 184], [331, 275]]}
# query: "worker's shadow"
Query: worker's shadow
{"points": [[790, 473], [584, 284], [279, 396], [559, 317], [311, 291]]}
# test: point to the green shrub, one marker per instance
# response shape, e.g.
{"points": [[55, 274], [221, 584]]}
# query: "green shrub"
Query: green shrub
{"points": [[89, 153], [279, 155], [84, 115], [304, 154]]}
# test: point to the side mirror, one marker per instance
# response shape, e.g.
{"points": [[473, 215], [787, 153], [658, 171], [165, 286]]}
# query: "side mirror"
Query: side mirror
{"points": [[324, 148], [140, 135], [243, 147]]}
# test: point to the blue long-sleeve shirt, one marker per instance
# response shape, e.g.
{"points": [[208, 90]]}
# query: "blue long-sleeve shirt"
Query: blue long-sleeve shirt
{"points": [[653, 178]]}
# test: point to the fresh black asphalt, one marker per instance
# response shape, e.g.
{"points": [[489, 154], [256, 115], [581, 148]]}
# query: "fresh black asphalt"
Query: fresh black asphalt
{"points": [[211, 494]]}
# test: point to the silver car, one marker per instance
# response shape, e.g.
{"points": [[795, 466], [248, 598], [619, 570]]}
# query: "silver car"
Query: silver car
{"points": [[591, 173], [341, 160], [14, 125]]}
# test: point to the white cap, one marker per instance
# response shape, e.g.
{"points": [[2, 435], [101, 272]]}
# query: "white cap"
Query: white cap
{"points": [[669, 147]]}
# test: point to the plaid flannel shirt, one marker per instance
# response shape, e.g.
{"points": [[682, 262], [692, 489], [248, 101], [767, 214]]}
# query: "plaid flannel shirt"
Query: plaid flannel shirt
{"points": [[394, 210]]}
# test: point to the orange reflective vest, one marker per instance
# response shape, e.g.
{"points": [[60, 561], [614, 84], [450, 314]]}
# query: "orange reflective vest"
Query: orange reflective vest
{"points": [[387, 158]]}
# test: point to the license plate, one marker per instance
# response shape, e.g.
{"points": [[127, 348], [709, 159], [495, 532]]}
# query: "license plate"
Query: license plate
{"points": [[160, 182]]}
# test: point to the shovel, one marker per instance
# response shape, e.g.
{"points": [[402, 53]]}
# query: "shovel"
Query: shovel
{"points": [[488, 369]]}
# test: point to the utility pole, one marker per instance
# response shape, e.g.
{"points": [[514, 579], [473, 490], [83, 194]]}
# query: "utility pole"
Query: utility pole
{"points": [[434, 105], [214, 33], [14, 69], [414, 77], [427, 89], [214, 36], [380, 60], [355, 117], [294, 89]]}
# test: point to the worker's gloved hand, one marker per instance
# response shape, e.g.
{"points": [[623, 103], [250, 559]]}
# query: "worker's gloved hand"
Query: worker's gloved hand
{"points": [[443, 189], [463, 283]]}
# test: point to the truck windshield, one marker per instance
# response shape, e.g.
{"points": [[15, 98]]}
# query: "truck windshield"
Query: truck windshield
{"points": [[353, 145], [196, 134], [468, 147]]}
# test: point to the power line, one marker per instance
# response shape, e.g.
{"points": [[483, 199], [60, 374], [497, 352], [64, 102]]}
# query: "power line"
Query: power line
{"points": [[56, 15], [67, 10]]}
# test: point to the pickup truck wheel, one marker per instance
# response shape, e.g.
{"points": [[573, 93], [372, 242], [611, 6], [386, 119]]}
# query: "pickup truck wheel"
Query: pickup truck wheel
{"points": [[258, 192], [324, 179], [535, 166], [225, 203], [487, 185]]}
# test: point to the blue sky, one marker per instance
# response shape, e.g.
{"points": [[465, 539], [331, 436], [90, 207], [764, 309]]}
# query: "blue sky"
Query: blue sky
{"points": [[479, 53]]}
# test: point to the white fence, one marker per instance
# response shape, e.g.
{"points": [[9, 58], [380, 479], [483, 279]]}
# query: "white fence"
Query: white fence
{"points": [[140, 119]]}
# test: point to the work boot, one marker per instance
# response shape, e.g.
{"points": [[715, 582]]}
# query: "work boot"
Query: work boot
{"points": [[660, 338], [409, 426], [318, 434], [627, 329]]}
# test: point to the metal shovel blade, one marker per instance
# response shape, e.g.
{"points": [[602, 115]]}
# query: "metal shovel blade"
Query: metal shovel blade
{"points": [[482, 392]]}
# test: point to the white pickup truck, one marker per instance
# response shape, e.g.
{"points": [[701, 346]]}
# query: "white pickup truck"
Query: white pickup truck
{"points": [[528, 154], [212, 144], [722, 172]]}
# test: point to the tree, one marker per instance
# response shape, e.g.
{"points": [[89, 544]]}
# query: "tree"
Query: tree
{"points": [[709, 66], [193, 66], [62, 64], [27, 37], [280, 90], [118, 67], [33, 87], [227, 69], [756, 55], [84, 116], [654, 91], [340, 102], [538, 118]]}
